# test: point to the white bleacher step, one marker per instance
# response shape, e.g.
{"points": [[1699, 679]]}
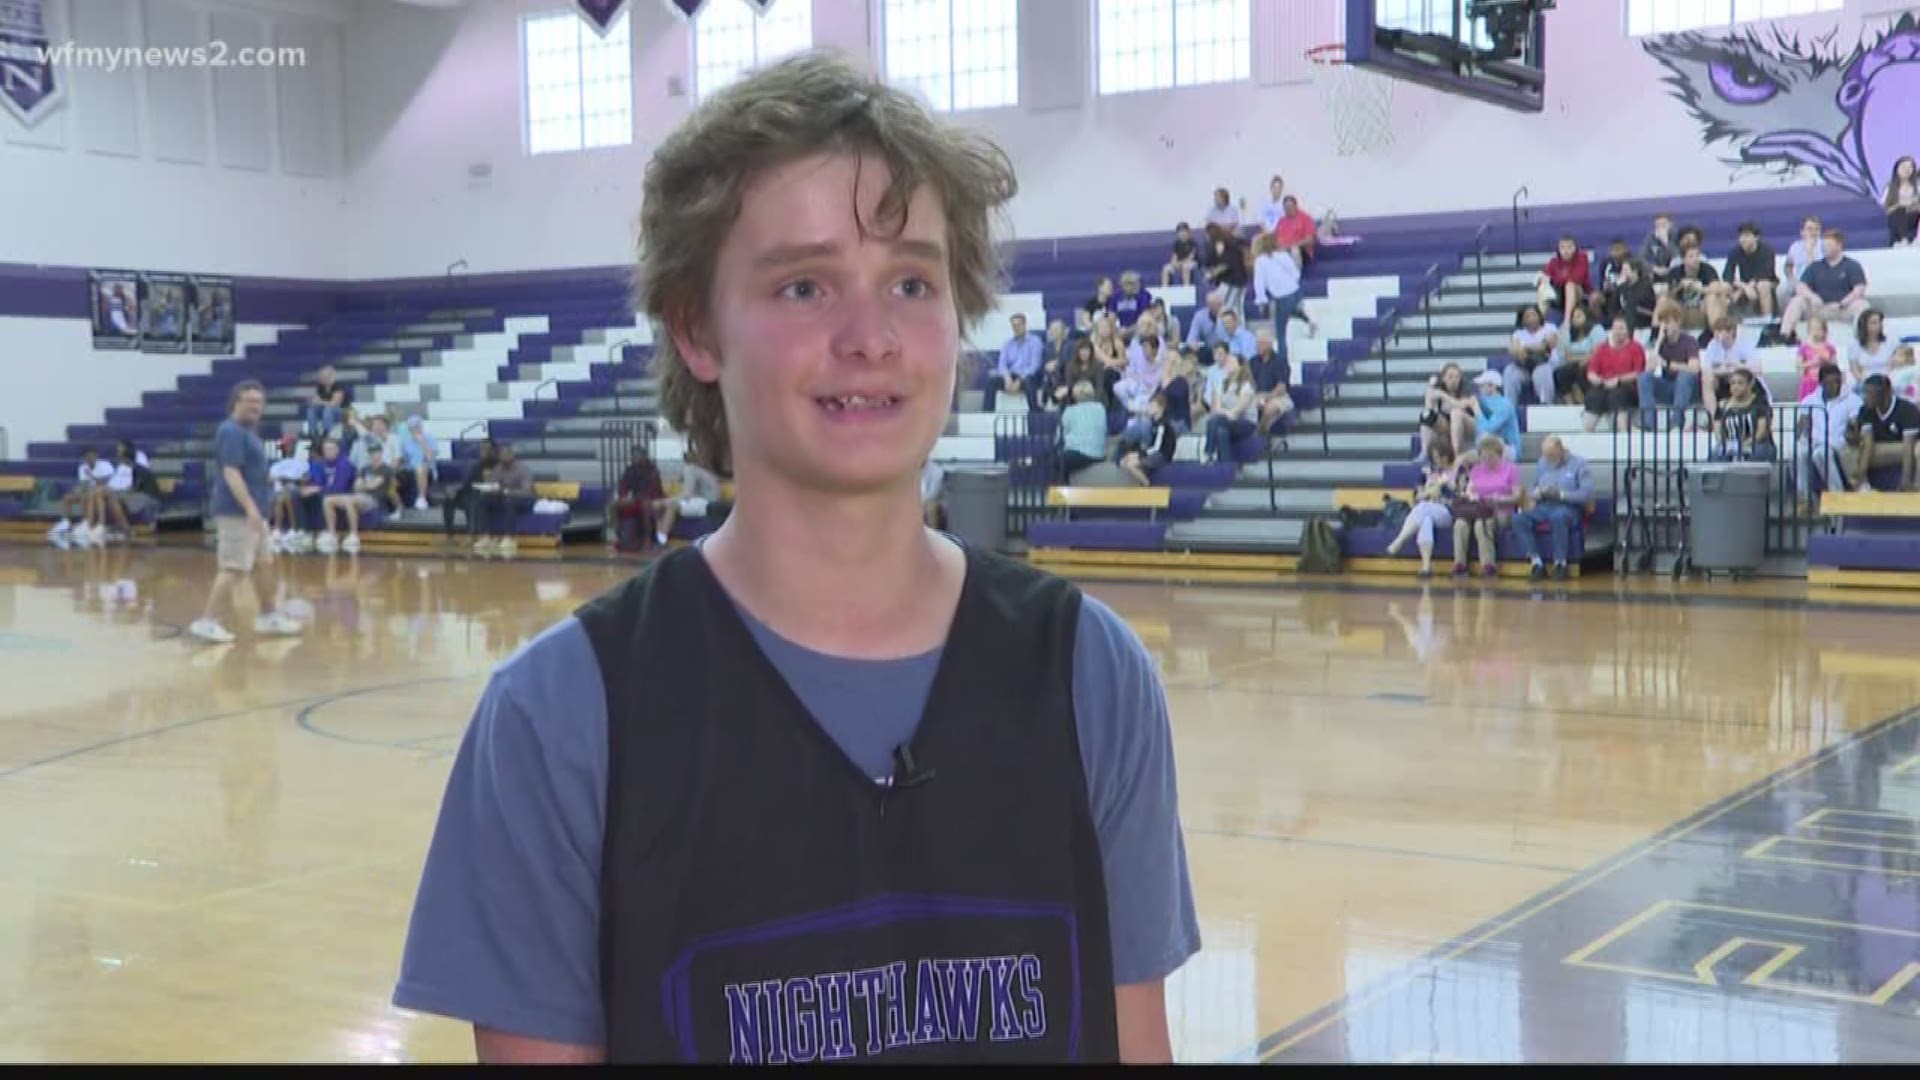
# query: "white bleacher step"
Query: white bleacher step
{"points": [[1561, 419], [1280, 532], [521, 325], [1413, 335], [1256, 500], [1493, 300], [1317, 470], [639, 332], [470, 411]]}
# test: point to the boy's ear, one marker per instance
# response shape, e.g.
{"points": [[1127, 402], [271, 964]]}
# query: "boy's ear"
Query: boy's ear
{"points": [[695, 345]]}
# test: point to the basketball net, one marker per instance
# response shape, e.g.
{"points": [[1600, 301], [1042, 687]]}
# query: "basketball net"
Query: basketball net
{"points": [[1359, 103]]}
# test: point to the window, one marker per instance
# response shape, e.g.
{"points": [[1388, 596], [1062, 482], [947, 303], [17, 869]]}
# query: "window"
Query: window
{"points": [[732, 38], [579, 85], [1156, 44], [1430, 17], [1672, 16], [957, 54]]}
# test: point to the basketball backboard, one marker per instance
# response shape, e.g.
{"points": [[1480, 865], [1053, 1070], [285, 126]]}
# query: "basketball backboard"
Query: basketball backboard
{"points": [[1492, 50]]}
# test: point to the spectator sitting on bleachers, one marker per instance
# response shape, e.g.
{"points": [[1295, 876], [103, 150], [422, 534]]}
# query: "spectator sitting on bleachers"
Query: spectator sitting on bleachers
{"points": [[415, 463], [372, 487], [332, 474], [1186, 256], [330, 399], [1626, 287], [1815, 353], [1562, 488], [1276, 284], [1272, 376], [1147, 362], [1725, 354], [1826, 416], [1498, 417], [288, 475], [1018, 369], [377, 432], [1534, 351], [1432, 507], [1689, 236], [1872, 349], [1565, 282], [1448, 412], [1204, 329], [1168, 323], [1238, 339], [1835, 287], [1179, 385], [1578, 339], [1228, 419], [131, 491], [1743, 422], [1151, 454], [1083, 430], [1111, 351], [1297, 232], [89, 482], [1698, 289], [1086, 317], [1750, 277], [1802, 253], [1223, 214], [1673, 368], [1213, 378], [699, 490], [1904, 374], [634, 498], [467, 496], [1902, 203], [1885, 433], [1130, 302], [1492, 495], [508, 493], [1613, 375], [1082, 366], [1227, 266], [1659, 251]]}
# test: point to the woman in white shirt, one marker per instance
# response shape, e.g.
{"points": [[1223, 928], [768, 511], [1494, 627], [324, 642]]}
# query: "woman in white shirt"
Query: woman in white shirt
{"points": [[1535, 352], [1872, 351], [1276, 283], [1903, 203]]}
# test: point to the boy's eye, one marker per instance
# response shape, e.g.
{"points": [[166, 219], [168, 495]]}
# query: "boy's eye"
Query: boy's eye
{"points": [[916, 288], [800, 290]]}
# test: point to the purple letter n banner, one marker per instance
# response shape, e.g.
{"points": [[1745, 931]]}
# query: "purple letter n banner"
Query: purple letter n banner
{"points": [[28, 84], [600, 13]]}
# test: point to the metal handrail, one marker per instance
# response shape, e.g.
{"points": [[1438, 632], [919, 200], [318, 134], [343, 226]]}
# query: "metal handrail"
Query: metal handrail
{"points": [[460, 264], [1523, 192], [1392, 320], [1479, 258], [1431, 290]]}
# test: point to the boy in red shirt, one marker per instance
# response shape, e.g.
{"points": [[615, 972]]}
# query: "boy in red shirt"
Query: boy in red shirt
{"points": [[1613, 371], [1566, 280]]}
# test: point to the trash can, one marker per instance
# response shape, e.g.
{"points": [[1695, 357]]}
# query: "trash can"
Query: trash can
{"points": [[1727, 515], [976, 499]]}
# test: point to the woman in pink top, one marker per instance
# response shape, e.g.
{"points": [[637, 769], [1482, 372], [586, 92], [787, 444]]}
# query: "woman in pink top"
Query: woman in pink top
{"points": [[1493, 493]]}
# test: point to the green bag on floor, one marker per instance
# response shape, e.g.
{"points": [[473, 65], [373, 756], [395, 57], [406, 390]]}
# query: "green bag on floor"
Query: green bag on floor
{"points": [[1320, 548]]}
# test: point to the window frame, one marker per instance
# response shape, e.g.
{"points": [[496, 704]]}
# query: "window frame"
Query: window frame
{"points": [[1242, 61], [581, 28], [700, 92], [952, 71], [1733, 20]]}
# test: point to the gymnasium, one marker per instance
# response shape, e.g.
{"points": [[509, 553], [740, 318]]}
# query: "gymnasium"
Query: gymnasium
{"points": [[1496, 419]]}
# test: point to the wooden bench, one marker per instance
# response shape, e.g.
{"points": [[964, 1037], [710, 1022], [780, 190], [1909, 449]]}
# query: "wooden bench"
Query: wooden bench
{"points": [[16, 485], [564, 490], [1151, 499], [1881, 504]]}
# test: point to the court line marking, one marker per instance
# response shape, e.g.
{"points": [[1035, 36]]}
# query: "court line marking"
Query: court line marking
{"points": [[1483, 706], [1820, 841], [1375, 849], [304, 718], [177, 725], [1320, 1019]]}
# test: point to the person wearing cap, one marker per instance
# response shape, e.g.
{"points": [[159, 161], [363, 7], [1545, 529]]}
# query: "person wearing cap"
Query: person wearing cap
{"points": [[1885, 433], [1498, 417], [413, 465]]}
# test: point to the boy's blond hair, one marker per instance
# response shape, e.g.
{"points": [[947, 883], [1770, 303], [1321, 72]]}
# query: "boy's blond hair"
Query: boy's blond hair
{"points": [[809, 104]]}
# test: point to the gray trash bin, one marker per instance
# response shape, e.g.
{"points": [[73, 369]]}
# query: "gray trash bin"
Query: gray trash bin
{"points": [[1727, 515], [976, 498]]}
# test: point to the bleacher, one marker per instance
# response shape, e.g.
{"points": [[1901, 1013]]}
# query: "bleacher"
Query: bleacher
{"points": [[1875, 542]]}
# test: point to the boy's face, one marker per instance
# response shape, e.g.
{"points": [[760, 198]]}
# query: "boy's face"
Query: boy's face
{"points": [[1155, 409], [1567, 248], [1810, 232], [1726, 338], [1662, 226], [834, 347], [1618, 252], [1748, 242]]}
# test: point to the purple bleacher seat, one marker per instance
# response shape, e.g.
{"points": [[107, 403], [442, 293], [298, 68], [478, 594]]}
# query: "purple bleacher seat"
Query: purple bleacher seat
{"points": [[1098, 535], [1864, 551], [1250, 449], [1209, 476], [1371, 540]]}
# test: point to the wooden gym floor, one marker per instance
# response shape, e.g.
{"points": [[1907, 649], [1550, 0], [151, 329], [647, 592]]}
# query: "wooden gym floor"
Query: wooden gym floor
{"points": [[1488, 824]]}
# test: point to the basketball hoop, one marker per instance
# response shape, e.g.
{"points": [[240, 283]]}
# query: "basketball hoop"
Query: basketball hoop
{"points": [[1359, 103]]}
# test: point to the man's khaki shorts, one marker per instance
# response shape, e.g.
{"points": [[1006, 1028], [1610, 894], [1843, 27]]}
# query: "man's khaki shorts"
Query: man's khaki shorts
{"points": [[237, 547]]}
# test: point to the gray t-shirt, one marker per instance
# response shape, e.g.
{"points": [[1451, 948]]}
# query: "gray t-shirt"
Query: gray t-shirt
{"points": [[236, 445], [505, 930]]}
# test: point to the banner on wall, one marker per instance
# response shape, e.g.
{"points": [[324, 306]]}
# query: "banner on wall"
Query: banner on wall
{"points": [[30, 87], [688, 8], [601, 13], [163, 313], [116, 308], [210, 299]]}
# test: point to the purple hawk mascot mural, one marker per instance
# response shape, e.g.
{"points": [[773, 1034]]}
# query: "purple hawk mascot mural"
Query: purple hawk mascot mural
{"points": [[1776, 101]]}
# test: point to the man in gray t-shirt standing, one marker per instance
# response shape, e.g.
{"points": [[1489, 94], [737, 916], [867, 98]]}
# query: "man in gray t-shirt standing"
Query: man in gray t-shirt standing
{"points": [[240, 489]]}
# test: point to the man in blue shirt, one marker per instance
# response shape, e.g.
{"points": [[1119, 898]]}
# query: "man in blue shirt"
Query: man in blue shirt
{"points": [[822, 786], [1271, 375], [1562, 489], [1833, 288], [1239, 340], [1498, 417], [240, 488], [1018, 369], [1203, 332]]}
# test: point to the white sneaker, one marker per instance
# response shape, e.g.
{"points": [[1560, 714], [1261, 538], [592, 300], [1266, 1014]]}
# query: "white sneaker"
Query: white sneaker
{"points": [[61, 530], [660, 538], [100, 535], [483, 546], [507, 548], [327, 544], [302, 543], [208, 630], [351, 545], [276, 624], [420, 504], [82, 537]]}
